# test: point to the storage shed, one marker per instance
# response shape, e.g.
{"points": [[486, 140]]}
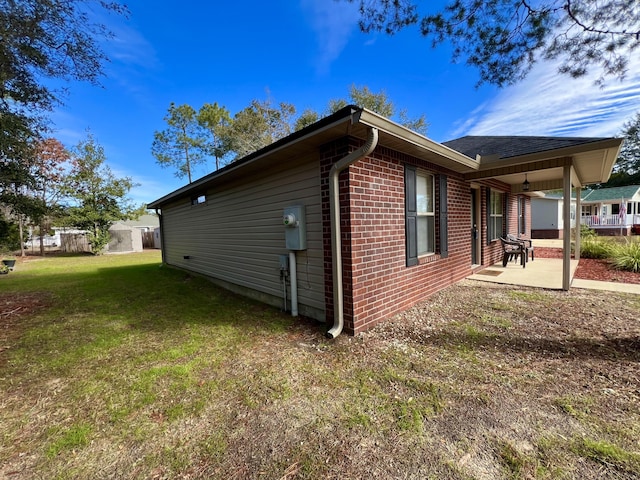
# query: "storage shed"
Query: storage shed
{"points": [[124, 239]]}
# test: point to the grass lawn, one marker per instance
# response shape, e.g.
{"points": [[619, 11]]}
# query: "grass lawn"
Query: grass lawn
{"points": [[116, 367]]}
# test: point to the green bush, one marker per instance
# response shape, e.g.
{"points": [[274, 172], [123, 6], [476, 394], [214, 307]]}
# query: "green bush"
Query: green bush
{"points": [[586, 231], [98, 241], [627, 256], [596, 247]]}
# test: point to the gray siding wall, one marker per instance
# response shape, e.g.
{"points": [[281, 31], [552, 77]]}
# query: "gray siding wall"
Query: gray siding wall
{"points": [[546, 214], [237, 235]]}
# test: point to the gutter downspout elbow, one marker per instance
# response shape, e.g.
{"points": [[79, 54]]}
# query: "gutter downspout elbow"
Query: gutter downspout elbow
{"points": [[336, 243]]}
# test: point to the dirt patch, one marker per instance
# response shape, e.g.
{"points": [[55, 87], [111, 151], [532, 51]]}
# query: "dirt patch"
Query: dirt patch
{"points": [[13, 308]]}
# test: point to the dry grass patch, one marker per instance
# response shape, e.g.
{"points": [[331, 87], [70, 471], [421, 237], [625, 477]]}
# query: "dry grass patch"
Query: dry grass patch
{"points": [[135, 371]]}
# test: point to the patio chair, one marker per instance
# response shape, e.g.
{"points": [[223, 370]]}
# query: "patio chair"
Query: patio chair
{"points": [[511, 250], [528, 245]]}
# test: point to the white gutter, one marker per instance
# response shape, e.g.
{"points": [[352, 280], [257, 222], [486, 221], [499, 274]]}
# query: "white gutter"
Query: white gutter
{"points": [[336, 245]]}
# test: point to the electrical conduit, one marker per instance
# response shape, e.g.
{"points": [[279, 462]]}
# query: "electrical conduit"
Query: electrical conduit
{"points": [[336, 246], [294, 283]]}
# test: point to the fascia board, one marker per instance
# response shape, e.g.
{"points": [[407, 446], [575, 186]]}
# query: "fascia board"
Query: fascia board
{"points": [[371, 119]]}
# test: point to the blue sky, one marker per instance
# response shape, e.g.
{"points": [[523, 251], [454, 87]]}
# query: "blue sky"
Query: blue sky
{"points": [[306, 52]]}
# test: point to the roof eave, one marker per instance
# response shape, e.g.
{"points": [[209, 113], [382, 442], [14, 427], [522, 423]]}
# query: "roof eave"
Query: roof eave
{"points": [[602, 144], [451, 158]]}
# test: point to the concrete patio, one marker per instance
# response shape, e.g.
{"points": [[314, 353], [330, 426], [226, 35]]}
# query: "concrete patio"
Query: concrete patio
{"points": [[546, 273], [541, 273]]}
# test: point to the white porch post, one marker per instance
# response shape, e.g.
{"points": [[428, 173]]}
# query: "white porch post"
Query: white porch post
{"points": [[566, 217], [578, 221]]}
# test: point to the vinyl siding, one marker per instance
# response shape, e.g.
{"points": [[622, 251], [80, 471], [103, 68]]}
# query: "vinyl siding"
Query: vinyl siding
{"points": [[237, 235]]}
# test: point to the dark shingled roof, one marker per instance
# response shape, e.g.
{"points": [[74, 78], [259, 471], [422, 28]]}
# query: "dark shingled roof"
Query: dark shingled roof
{"points": [[512, 146]]}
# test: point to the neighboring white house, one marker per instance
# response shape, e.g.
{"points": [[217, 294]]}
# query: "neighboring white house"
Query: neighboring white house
{"points": [[609, 211]]}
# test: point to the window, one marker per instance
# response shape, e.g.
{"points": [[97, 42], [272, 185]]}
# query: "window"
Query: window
{"points": [[198, 200], [425, 198], [495, 218], [421, 221]]}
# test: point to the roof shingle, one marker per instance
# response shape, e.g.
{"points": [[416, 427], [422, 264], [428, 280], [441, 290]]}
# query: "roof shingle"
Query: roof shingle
{"points": [[512, 146]]}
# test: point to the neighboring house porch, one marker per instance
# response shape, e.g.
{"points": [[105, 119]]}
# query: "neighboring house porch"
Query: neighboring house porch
{"points": [[612, 211], [609, 211]]}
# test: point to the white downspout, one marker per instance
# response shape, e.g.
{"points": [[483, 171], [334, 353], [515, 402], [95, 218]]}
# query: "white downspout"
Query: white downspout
{"points": [[294, 283], [336, 250]]}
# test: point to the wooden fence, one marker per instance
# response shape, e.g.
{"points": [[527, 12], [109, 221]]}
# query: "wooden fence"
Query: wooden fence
{"points": [[147, 240], [74, 243]]}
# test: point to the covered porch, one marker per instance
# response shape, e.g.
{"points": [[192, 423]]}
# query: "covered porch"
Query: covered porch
{"points": [[546, 273], [531, 164]]}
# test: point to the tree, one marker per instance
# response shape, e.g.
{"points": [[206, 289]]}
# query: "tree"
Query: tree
{"points": [[183, 144], [215, 119], [9, 236], [629, 158], [16, 183], [258, 125], [626, 170], [97, 198], [380, 104], [49, 171], [504, 38], [40, 41], [305, 119]]}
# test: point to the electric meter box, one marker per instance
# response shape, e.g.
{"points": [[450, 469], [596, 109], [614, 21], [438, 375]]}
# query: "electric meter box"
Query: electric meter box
{"points": [[295, 231]]}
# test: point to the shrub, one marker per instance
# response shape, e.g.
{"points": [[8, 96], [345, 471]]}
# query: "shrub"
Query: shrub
{"points": [[586, 231], [98, 241], [596, 247], [627, 256]]}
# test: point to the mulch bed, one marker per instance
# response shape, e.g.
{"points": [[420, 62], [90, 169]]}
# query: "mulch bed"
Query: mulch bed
{"points": [[593, 269]]}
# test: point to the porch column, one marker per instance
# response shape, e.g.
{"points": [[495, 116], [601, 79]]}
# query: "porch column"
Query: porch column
{"points": [[578, 221], [566, 218]]}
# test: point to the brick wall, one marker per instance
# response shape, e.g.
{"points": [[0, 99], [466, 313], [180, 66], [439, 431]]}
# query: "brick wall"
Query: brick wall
{"points": [[377, 282]]}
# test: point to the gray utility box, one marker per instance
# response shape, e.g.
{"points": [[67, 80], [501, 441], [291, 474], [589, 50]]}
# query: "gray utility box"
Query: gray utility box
{"points": [[295, 227]]}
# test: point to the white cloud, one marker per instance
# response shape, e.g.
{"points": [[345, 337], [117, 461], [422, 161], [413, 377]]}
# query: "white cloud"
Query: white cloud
{"points": [[547, 103], [130, 47], [332, 23]]}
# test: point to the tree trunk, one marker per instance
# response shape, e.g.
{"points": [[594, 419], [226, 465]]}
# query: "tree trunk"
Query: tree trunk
{"points": [[42, 238], [21, 228]]}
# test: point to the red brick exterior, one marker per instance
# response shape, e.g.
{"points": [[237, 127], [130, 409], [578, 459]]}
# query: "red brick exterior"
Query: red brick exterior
{"points": [[377, 282]]}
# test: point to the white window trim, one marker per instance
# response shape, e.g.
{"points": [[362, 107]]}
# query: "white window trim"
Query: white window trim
{"points": [[493, 216], [424, 175]]}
